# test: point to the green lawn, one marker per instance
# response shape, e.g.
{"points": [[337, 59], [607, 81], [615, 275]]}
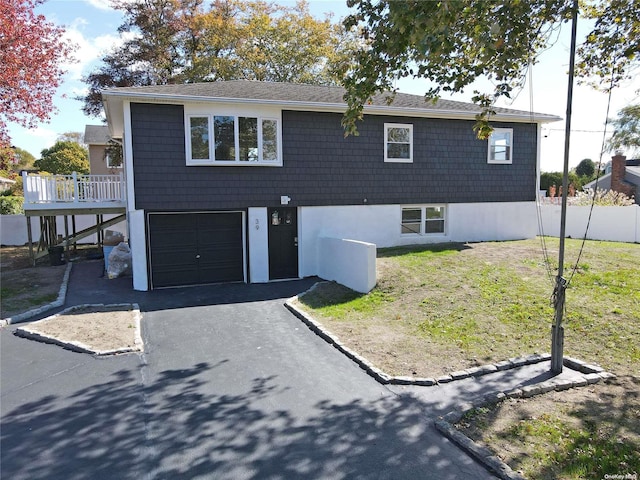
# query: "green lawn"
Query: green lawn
{"points": [[440, 308]]}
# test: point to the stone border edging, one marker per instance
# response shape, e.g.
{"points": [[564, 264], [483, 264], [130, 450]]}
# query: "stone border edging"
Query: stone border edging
{"points": [[386, 379], [79, 347], [62, 294], [444, 424]]}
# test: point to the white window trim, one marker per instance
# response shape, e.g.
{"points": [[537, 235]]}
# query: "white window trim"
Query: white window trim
{"points": [[423, 220], [501, 162], [387, 126], [107, 160], [211, 161]]}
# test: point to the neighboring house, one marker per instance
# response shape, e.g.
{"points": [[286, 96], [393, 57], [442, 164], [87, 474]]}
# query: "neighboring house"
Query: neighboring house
{"points": [[621, 175], [97, 138], [238, 180], [6, 184]]}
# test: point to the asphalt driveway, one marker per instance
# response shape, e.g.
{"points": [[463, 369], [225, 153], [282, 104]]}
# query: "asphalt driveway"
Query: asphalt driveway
{"points": [[225, 389]]}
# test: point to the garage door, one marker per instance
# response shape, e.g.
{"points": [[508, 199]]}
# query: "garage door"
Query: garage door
{"points": [[195, 248]]}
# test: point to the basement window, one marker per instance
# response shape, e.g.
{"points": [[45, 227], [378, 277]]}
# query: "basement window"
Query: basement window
{"points": [[423, 220]]}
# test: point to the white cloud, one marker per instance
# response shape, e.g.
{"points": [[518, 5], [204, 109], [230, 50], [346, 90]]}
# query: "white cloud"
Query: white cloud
{"points": [[88, 50], [100, 4]]}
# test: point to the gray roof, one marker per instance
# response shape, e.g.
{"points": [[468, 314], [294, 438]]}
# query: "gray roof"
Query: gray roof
{"points": [[292, 93], [96, 134], [631, 175]]}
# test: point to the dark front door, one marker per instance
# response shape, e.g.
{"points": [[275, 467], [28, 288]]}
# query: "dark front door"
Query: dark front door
{"points": [[195, 248], [283, 242]]}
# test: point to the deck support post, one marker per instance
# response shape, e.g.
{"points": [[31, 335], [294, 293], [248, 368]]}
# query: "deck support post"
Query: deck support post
{"points": [[30, 240]]}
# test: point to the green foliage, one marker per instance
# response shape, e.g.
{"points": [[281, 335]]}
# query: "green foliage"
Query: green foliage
{"points": [[10, 205], [549, 179], [64, 158], [15, 159], [452, 43], [113, 150], [186, 41], [586, 168], [627, 129]]}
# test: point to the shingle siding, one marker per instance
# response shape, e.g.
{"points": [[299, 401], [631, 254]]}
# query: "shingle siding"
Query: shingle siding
{"points": [[321, 167]]}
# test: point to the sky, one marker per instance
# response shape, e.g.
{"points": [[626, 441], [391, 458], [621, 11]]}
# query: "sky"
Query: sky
{"points": [[93, 26]]}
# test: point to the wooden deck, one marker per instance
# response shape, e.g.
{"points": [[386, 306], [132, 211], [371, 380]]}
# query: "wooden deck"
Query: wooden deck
{"points": [[50, 196], [76, 194]]}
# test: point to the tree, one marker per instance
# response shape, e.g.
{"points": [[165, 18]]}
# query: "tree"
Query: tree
{"points": [[586, 168], [64, 158], [77, 137], [290, 45], [32, 52], [182, 41], [452, 43], [627, 129]]}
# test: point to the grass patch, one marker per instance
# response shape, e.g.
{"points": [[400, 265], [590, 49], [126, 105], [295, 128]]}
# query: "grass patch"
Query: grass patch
{"points": [[578, 452], [573, 435], [459, 305]]}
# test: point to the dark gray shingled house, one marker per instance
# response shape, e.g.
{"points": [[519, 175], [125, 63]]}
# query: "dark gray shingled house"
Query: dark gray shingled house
{"points": [[237, 180]]}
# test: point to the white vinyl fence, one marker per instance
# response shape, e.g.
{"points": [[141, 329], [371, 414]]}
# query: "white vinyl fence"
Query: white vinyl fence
{"points": [[13, 228], [617, 224]]}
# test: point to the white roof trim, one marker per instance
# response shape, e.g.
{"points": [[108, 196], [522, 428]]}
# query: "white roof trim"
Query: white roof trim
{"points": [[329, 107]]}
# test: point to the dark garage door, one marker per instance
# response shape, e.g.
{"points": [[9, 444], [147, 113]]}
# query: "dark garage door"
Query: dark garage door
{"points": [[195, 248]]}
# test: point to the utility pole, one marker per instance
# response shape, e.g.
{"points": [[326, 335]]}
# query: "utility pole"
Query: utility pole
{"points": [[557, 329]]}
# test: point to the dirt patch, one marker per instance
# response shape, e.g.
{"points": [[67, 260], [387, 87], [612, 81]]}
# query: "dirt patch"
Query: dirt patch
{"points": [[24, 287], [29, 288], [99, 329]]}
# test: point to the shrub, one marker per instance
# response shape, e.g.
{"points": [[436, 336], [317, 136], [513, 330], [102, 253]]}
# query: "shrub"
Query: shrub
{"points": [[602, 197], [11, 205]]}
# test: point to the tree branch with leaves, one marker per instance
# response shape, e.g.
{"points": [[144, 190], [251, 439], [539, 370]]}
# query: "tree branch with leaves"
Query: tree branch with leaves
{"points": [[32, 54], [452, 43]]}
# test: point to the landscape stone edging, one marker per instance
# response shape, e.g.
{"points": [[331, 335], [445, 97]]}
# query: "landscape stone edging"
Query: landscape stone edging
{"points": [[62, 294], [444, 424], [26, 332], [386, 379]]}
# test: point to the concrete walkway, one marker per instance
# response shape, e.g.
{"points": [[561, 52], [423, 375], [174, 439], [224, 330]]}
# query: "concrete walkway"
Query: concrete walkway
{"points": [[231, 386]]}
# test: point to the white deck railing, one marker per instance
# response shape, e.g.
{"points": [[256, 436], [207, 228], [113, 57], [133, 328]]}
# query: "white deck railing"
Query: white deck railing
{"points": [[72, 189]]}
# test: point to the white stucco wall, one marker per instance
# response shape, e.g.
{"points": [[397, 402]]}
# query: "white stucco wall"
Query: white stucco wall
{"points": [[348, 262], [380, 225], [479, 222]]}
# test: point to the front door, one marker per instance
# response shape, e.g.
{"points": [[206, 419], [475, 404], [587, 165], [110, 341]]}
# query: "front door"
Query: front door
{"points": [[283, 242]]}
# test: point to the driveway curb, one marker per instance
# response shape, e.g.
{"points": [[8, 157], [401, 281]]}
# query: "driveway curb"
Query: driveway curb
{"points": [[444, 424], [62, 294]]}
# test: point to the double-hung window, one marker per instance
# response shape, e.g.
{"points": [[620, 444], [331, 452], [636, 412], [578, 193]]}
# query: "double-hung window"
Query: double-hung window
{"points": [[232, 140], [398, 142], [501, 146], [423, 220]]}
